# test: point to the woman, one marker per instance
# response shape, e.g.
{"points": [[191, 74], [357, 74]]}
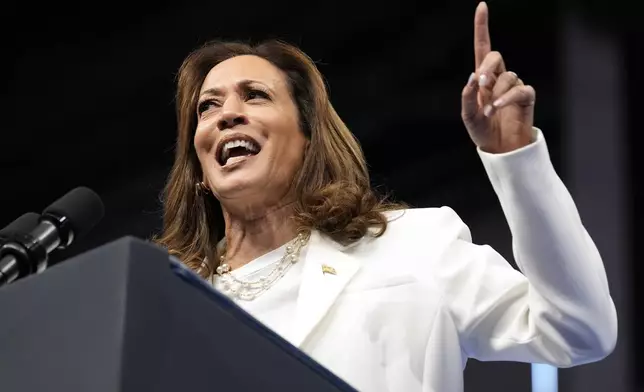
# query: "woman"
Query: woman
{"points": [[388, 298]]}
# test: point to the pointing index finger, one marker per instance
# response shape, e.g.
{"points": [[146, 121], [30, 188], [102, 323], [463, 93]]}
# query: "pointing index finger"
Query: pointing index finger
{"points": [[482, 45]]}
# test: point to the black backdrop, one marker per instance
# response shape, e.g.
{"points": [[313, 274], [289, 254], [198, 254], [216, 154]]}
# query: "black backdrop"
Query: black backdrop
{"points": [[91, 94]]}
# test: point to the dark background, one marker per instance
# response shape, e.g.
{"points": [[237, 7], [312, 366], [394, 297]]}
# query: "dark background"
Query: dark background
{"points": [[89, 91]]}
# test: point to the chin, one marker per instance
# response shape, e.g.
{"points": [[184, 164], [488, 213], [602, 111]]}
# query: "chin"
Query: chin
{"points": [[237, 188]]}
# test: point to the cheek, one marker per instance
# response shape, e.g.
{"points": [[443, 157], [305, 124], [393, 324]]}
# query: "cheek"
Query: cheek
{"points": [[204, 141], [200, 140], [202, 144], [291, 154], [292, 140]]}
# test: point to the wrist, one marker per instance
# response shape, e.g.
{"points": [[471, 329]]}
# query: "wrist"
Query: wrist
{"points": [[509, 144]]}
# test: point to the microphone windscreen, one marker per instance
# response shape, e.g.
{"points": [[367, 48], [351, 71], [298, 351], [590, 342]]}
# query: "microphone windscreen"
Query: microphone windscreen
{"points": [[22, 225], [82, 207]]}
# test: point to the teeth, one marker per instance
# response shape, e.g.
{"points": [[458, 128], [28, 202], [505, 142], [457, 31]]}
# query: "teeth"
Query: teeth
{"points": [[225, 151]]}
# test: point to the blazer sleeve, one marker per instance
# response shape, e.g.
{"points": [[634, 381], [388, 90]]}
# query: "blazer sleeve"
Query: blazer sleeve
{"points": [[558, 309]]}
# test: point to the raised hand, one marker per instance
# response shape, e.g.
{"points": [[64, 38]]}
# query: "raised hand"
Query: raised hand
{"points": [[497, 108]]}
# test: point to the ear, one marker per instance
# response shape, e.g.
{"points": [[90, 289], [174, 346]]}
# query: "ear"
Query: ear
{"points": [[203, 183], [200, 174]]}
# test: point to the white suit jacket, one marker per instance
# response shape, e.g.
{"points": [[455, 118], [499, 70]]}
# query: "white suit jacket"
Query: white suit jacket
{"points": [[404, 312]]}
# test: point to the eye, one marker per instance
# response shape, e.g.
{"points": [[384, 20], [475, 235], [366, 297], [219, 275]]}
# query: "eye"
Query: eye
{"points": [[256, 94], [206, 105]]}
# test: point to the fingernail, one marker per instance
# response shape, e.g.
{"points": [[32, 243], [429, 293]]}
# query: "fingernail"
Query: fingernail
{"points": [[483, 80], [470, 81], [487, 110], [497, 103]]}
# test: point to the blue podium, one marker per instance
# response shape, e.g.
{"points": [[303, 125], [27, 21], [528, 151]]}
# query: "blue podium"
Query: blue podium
{"points": [[124, 317]]}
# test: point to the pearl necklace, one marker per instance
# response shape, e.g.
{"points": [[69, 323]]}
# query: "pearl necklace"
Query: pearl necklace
{"points": [[248, 290]]}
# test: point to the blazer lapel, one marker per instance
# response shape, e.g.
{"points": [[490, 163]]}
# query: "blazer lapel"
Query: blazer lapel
{"points": [[326, 272]]}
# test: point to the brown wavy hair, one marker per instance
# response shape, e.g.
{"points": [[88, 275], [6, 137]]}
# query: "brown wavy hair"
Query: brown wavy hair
{"points": [[334, 193]]}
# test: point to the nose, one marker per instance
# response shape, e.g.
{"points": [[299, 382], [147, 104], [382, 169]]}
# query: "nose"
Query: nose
{"points": [[231, 116], [230, 120]]}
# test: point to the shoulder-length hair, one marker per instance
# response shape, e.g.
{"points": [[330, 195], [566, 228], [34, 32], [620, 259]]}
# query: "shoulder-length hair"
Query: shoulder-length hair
{"points": [[334, 194]]}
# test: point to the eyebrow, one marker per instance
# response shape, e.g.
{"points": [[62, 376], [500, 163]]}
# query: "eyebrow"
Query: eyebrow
{"points": [[216, 91]]}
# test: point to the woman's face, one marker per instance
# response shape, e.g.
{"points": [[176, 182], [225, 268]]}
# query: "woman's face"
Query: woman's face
{"points": [[248, 138]]}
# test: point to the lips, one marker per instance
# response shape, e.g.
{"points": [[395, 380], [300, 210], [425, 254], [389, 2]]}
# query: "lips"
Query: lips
{"points": [[234, 148]]}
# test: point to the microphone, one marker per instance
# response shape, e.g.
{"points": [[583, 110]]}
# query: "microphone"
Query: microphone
{"points": [[21, 226], [60, 224]]}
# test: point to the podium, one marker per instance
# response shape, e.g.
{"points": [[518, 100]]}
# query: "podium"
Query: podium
{"points": [[124, 317]]}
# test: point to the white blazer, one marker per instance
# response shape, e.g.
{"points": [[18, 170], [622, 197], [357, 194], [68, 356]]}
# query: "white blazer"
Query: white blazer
{"points": [[405, 311]]}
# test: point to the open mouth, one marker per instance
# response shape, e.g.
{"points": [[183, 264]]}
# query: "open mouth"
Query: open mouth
{"points": [[236, 148]]}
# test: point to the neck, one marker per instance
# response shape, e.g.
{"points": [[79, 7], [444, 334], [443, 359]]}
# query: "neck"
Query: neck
{"points": [[249, 238]]}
